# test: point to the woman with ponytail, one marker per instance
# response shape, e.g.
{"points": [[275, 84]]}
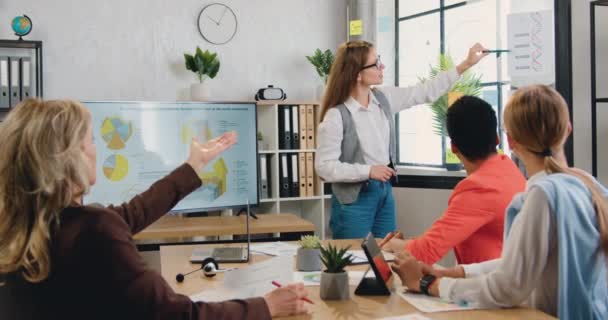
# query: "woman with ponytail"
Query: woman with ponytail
{"points": [[556, 232]]}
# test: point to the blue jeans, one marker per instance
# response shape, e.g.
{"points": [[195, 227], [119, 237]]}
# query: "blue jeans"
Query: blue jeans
{"points": [[373, 211]]}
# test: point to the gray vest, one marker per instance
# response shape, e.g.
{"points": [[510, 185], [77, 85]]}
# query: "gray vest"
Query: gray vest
{"points": [[347, 192]]}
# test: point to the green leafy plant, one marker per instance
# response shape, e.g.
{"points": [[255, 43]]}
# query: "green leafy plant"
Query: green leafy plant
{"points": [[204, 64], [469, 84], [310, 242], [322, 62], [334, 259]]}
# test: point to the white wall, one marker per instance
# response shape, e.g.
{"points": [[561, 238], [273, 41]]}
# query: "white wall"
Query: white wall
{"points": [[133, 50]]}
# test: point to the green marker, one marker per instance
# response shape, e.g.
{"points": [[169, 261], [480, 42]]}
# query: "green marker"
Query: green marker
{"points": [[496, 51]]}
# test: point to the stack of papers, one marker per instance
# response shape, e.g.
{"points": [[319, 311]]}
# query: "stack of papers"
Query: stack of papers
{"points": [[360, 258], [314, 278], [275, 248], [251, 281], [425, 303]]}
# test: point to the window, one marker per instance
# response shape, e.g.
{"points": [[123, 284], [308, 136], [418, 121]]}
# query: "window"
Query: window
{"points": [[426, 29]]}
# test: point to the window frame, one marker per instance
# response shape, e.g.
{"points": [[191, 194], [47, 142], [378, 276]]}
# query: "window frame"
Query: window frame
{"points": [[436, 177]]}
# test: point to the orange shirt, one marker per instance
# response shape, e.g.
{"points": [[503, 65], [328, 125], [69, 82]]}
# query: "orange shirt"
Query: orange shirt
{"points": [[473, 223]]}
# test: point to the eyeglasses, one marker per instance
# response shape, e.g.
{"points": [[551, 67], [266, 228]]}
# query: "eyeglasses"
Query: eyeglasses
{"points": [[378, 64]]}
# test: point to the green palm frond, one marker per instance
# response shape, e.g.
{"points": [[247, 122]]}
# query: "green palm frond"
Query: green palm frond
{"points": [[469, 84]]}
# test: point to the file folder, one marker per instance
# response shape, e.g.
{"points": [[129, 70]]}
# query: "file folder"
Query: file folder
{"points": [[284, 181], [26, 78], [4, 85], [15, 81], [264, 190], [303, 129], [295, 128], [295, 184], [302, 171], [310, 175], [310, 127], [284, 127]]}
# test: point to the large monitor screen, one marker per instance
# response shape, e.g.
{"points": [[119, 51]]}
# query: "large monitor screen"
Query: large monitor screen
{"points": [[140, 142]]}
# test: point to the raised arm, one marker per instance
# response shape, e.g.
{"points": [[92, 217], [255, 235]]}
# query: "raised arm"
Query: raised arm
{"points": [[164, 194], [401, 98]]}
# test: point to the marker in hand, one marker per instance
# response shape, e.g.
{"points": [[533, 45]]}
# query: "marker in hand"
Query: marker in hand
{"points": [[278, 285], [496, 51]]}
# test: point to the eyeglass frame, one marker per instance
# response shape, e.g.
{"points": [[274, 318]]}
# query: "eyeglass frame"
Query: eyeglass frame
{"points": [[378, 64]]}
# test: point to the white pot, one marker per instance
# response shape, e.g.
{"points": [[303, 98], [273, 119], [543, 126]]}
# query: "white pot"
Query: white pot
{"points": [[199, 92]]}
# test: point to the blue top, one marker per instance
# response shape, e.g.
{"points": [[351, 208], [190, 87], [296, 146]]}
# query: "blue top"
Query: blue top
{"points": [[582, 278]]}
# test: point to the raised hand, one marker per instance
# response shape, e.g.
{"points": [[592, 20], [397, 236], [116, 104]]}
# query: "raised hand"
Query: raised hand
{"points": [[474, 55], [202, 153]]}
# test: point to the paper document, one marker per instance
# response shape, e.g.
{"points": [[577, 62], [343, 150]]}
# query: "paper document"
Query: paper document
{"points": [[425, 303], [252, 281], [360, 258], [413, 316], [275, 248], [314, 278]]}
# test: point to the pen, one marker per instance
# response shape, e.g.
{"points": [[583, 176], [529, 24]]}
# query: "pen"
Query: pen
{"points": [[278, 285], [496, 51], [393, 234]]}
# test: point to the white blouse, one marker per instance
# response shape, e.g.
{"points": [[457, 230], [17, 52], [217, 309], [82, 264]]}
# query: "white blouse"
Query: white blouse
{"points": [[527, 270], [372, 128]]}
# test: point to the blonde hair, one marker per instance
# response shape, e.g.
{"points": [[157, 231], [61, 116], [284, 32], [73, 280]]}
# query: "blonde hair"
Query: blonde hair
{"points": [[42, 169], [350, 59], [537, 118]]}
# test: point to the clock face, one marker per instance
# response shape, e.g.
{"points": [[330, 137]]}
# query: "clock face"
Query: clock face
{"points": [[217, 23]]}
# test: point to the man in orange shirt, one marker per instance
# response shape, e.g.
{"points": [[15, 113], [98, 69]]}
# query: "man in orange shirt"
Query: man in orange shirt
{"points": [[473, 223]]}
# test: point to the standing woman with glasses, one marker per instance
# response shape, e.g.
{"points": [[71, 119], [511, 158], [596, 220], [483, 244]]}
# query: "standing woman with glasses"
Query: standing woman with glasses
{"points": [[356, 138]]}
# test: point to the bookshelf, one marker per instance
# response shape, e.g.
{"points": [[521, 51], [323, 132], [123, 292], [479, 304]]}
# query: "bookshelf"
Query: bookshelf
{"points": [[314, 208]]}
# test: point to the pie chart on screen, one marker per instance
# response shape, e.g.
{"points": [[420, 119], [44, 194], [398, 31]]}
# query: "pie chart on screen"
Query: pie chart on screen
{"points": [[116, 167], [115, 132]]}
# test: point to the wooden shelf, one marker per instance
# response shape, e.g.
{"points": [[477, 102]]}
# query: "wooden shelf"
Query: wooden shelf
{"points": [[185, 227]]}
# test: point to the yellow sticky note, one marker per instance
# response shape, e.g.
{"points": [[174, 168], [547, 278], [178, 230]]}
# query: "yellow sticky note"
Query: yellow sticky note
{"points": [[356, 27], [453, 96]]}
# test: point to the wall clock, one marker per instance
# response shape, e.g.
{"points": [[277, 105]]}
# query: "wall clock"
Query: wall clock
{"points": [[217, 23]]}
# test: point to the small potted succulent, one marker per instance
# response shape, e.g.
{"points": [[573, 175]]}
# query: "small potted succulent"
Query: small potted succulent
{"points": [[204, 65], [334, 280], [308, 257]]}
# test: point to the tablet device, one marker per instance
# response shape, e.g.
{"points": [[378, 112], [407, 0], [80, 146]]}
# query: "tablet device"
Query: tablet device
{"points": [[379, 285]]}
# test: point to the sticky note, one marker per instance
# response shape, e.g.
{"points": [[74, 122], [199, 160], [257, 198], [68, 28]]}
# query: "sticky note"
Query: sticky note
{"points": [[356, 28], [384, 24]]}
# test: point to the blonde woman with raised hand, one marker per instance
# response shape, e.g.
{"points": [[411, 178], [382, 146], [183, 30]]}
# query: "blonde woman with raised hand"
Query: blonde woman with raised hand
{"points": [[60, 259], [556, 232]]}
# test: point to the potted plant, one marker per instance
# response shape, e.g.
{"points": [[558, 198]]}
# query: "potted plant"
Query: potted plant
{"points": [[322, 61], [308, 257], [204, 65], [334, 280], [469, 84]]}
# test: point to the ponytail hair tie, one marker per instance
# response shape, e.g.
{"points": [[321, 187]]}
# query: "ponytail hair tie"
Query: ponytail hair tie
{"points": [[547, 152]]}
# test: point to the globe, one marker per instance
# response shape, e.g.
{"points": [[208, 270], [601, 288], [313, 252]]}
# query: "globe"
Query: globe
{"points": [[22, 25]]}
